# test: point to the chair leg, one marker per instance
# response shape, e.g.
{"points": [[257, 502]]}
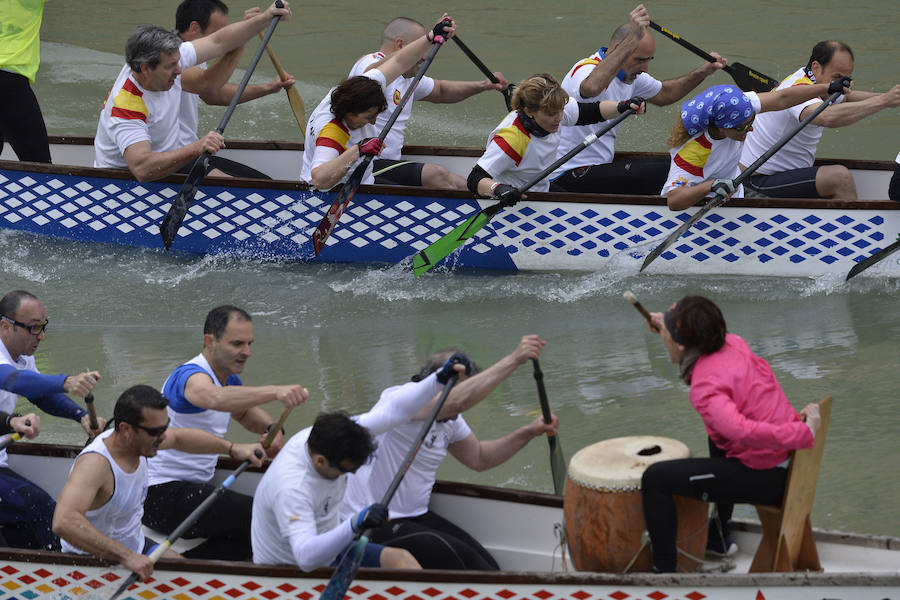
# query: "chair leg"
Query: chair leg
{"points": [[764, 559]]}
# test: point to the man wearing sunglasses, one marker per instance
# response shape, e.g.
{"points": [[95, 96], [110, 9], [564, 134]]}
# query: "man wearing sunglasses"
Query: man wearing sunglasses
{"points": [[206, 392], [26, 509], [100, 507]]}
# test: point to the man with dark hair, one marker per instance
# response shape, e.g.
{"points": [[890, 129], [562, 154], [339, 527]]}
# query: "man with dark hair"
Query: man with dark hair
{"points": [[790, 172], [26, 509], [138, 127], [433, 540], [100, 506], [620, 73], [195, 19], [388, 168], [206, 393]]}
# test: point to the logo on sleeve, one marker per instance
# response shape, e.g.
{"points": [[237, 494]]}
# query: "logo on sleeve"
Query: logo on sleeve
{"points": [[396, 97]]}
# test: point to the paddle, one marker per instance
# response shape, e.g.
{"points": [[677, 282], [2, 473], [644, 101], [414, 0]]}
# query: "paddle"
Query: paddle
{"points": [[719, 200], [182, 202], [348, 567], [557, 460], [191, 518], [875, 258], [329, 221], [507, 93], [11, 438], [276, 427], [749, 80], [426, 258], [293, 95], [640, 308]]}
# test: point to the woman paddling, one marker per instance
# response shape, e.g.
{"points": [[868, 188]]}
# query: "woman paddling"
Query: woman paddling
{"points": [[706, 141], [751, 424], [342, 128], [525, 141]]}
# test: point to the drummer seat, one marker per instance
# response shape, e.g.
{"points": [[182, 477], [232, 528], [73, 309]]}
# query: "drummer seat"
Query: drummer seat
{"points": [[787, 540]]}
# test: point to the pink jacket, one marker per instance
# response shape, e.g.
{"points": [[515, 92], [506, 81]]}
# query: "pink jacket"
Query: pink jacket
{"points": [[744, 409]]}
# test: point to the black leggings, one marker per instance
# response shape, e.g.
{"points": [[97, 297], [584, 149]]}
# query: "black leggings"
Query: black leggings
{"points": [[894, 189], [436, 543], [720, 480], [226, 524], [21, 121], [644, 176]]}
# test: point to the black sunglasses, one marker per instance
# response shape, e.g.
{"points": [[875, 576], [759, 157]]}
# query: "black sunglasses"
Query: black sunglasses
{"points": [[37, 329], [152, 431]]}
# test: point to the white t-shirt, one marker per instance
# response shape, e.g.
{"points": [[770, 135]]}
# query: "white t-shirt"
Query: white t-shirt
{"points": [[897, 160], [189, 116], [769, 127], [600, 152], [515, 157], [132, 114], [393, 93], [8, 400], [703, 158], [328, 137], [120, 518]]}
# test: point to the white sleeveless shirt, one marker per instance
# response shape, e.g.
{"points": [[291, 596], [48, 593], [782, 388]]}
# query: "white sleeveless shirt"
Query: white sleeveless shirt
{"points": [[120, 518]]}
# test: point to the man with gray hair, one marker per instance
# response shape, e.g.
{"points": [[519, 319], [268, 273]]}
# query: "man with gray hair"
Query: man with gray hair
{"points": [[138, 127], [388, 168]]}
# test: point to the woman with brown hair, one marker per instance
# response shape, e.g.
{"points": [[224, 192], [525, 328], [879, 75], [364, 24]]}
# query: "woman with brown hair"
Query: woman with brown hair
{"points": [[752, 426], [525, 141]]}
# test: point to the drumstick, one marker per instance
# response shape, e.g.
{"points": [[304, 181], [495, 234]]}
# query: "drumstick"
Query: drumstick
{"points": [[640, 308]]}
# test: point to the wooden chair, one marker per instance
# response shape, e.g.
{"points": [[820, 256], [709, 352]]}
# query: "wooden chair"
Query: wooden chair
{"points": [[787, 540]]}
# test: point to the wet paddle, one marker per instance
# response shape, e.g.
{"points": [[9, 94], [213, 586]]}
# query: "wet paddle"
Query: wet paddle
{"points": [[168, 229], [159, 550], [557, 460], [348, 567], [749, 80], [426, 258], [294, 98], [719, 200], [640, 308], [337, 208], [507, 93], [874, 259]]}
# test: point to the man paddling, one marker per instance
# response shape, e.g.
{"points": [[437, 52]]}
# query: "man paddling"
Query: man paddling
{"points": [[388, 168], [790, 173], [100, 507], [207, 393], [434, 541], [25, 509], [618, 73], [196, 19], [138, 127]]}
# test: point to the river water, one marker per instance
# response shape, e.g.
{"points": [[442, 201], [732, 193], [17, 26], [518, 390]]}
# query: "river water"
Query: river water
{"points": [[347, 332]]}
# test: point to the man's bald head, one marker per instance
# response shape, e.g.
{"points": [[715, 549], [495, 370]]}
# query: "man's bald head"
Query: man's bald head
{"points": [[401, 28]]}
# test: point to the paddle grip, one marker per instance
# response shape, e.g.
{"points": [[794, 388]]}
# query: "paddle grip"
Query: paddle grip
{"points": [[92, 412]]}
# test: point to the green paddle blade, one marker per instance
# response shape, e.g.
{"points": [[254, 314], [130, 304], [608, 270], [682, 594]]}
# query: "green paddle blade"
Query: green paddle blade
{"points": [[441, 249]]}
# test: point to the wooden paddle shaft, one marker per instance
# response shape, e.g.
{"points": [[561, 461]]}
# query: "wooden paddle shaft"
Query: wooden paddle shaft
{"points": [[276, 427]]}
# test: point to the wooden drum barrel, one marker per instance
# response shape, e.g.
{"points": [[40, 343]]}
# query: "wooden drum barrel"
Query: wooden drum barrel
{"points": [[603, 509]]}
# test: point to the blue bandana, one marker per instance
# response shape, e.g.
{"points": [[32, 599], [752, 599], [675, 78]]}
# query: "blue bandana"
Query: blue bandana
{"points": [[721, 105], [602, 54]]}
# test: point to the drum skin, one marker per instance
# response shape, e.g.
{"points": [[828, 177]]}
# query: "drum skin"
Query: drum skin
{"points": [[605, 517]]}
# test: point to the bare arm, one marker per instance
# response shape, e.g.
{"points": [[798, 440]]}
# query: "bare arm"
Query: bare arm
{"points": [[251, 92], [90, 486], [674, 90], [792, 96], [237, 34], [201, 391], [681, 198], [847, 113], [197, 441], [480, 456], [603, 74], [328, 174], [454, 91], [147, 165]]}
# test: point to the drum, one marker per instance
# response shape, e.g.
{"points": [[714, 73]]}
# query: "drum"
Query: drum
{"points": [[604, 513]]}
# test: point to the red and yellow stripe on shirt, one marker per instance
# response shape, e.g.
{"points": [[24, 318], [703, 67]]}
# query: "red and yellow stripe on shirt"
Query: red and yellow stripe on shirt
{"points": [[585, 62], [803, 81], [513, 140], [693, 156], [129, 103], [334, 135]]}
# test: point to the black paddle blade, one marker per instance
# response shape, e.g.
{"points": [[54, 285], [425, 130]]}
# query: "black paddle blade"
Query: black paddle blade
{"points": [[874, 259], [750, 80], [717, 201], [168, 229], [337, 208]]}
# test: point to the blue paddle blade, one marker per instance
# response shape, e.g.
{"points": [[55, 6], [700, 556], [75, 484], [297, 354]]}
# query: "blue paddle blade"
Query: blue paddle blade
{"points": [[346, 571]]}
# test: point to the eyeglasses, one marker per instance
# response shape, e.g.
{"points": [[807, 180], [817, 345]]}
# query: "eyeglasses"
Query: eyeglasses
{"points": [[745, 127], [37, 329], [152, 431]]}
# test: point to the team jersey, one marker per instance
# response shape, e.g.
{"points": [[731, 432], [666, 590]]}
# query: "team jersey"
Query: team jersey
{"points": [[20, 40], [769, 127], [514, 156], [189, 115], [601, 151], [327, 137], [393, 92], [132, 114], [702, 158]]}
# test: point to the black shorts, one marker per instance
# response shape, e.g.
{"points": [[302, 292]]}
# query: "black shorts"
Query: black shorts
{"points": [[643, 176], [227, 166], [796, 183], [397, 172], [894, 189]]}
